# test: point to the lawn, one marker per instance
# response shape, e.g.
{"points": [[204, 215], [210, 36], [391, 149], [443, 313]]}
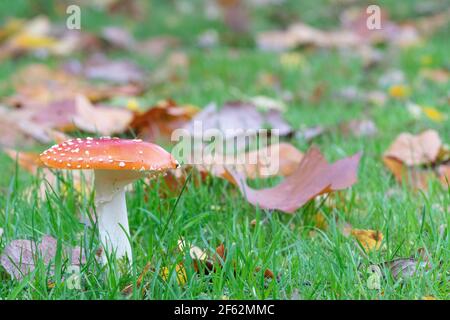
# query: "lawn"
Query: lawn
{"points": [[310, 259]]}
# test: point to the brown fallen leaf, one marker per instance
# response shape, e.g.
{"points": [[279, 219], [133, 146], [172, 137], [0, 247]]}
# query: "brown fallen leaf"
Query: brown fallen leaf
{"points": [[415, 177], [100, 119], [275, 160], [314, 176], [415, 149], [417, 159], [369, 239], [37, 85], [161, 120], [19, 256]]}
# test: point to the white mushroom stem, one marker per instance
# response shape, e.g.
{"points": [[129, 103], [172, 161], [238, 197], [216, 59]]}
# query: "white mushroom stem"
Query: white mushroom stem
{"points": [[111, 207]]}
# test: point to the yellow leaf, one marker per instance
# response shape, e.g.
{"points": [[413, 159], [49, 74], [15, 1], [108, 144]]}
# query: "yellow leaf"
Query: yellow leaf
{"points": [[27, 41], [181, 274], [428, 298], [399, 91], [433, 114], [369, 239]]}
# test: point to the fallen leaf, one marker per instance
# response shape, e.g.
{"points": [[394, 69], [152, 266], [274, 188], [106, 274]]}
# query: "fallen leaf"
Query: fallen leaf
{"points": [[19, 256], [408, 267], [158, 123], [415, 149], [369, 239], [275, 160], [37, 86], [235, 116], [12, 133], [314, 176], [102, 120], [417, 159]]}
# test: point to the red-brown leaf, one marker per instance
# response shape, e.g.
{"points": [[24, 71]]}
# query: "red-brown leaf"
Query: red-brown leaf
{"points": [[314, 176]]}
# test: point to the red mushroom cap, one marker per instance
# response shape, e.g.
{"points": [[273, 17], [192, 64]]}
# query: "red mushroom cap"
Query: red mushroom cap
{"points": [[108, 154]]}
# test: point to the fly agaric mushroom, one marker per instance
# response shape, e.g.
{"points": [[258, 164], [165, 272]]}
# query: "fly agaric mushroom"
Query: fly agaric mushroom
{"points": [[116, 163]]}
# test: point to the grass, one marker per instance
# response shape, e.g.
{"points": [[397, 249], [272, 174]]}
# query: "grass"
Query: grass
{"points": [[324, 266]]}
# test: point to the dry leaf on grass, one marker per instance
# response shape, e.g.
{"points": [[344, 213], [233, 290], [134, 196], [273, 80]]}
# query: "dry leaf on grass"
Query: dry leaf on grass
{"points": [[275, 160], [37, 85], [415, 149], [369, 239], [232, 117], [314, 176], [407, 267], [100, 119], [417, 159], [19, 256], [160, 121], [12, 133]]}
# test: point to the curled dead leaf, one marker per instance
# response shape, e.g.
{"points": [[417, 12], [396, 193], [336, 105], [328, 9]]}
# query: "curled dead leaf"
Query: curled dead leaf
{"points": [[314, 176]]}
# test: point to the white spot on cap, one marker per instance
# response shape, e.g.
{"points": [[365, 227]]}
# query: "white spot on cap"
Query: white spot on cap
{"points": [[121, 164]]}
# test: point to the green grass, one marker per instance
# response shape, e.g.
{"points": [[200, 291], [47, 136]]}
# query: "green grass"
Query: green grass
{"points": [[326, 266]]}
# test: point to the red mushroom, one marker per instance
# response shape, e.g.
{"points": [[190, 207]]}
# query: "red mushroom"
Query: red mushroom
{"points": [[116, 163]]}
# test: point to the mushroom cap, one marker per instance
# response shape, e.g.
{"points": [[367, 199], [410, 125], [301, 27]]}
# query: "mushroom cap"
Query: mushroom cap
{"points": [[107, 153]]}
